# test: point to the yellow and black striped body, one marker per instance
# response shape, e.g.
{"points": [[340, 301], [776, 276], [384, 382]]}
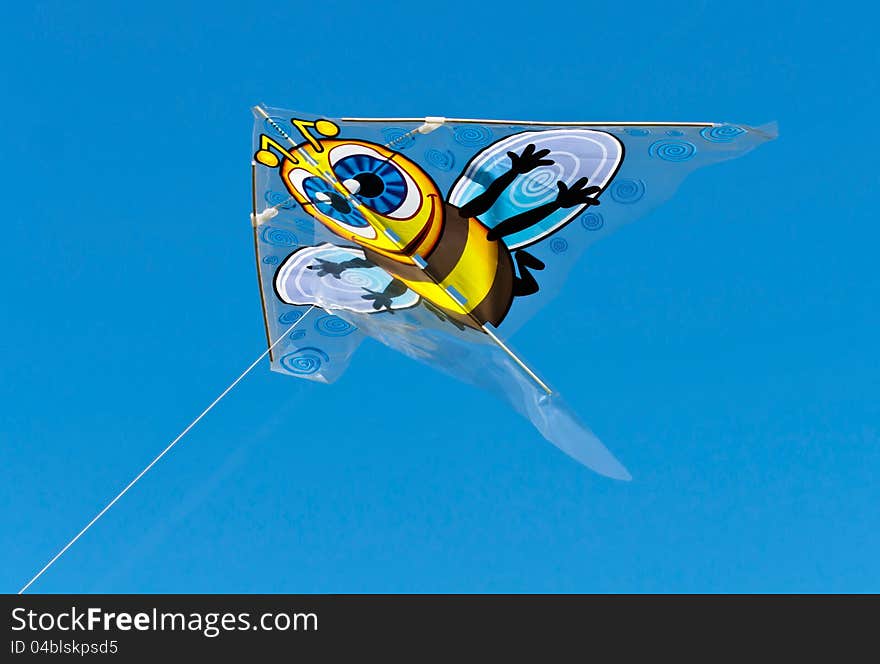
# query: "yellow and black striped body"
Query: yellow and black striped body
{"points": [[466, 275]]}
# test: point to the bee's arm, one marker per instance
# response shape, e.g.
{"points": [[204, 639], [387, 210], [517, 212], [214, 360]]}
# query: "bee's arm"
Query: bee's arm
{"points": [[522, 163], [480, 204], [522, 221], [578, 194], [336, 269]]}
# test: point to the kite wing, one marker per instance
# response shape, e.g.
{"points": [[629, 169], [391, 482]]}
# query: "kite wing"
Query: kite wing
{"points": [[636, 167], [320, 345], [472, 357]]}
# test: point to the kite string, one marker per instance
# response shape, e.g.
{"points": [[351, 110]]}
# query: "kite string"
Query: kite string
{"points": [[167, 449]]}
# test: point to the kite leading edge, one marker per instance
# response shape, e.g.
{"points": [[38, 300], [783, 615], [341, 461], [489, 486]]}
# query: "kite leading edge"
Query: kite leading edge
{"points": [[438, 237]]}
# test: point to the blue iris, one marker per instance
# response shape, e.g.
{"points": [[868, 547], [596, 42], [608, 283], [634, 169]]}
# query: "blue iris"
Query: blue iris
{"points": [[383, 188], [336, 207]]}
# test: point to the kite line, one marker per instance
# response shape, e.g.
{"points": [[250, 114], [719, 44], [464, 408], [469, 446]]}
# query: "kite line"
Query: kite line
{"points": [[167, 449]]}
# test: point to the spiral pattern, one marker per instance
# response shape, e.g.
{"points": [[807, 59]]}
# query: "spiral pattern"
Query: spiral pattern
{"points": [[628, 191], [280, 199], [722, 133], [395, 136], [296, 335], [271, 260], [592, 221], [334, 326], [289, 317], [637, 131], [279, 237], [472, 136], [668, 150], [536, 187], [442, 159], [558, 245], [674, 132], [358, 279], [304, 361]]}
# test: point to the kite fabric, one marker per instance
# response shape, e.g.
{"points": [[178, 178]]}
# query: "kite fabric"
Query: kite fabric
{"points": [[440, 237]]}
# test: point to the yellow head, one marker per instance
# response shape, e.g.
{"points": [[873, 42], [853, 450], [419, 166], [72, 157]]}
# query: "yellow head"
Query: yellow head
{"points": [[401, 212]]}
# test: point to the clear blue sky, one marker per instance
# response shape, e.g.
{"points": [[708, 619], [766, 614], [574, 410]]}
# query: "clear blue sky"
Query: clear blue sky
{"points": [[725, 348]]}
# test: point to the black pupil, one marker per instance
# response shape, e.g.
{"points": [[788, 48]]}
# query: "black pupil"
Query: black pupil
{"points": [[371, 185], [339, 203]]}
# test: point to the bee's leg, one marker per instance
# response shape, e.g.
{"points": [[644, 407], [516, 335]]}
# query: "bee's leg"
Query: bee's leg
{"points": [[525, 283]]}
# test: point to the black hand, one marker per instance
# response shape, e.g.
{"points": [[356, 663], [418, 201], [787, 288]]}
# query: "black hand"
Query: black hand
{"points": [[528, 159], [380, 300], [383, 300], [519, 164], [578, 194], [328, 267]]}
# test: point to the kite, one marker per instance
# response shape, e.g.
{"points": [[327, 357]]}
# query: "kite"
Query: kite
{"points": [[441, 237]]}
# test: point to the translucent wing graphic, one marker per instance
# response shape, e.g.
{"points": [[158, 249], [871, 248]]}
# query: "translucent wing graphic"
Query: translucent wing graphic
{"points": [[309, 276], [576, 153]]}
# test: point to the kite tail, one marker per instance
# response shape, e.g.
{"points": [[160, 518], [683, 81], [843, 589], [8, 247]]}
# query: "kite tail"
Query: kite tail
{"points": [[560, 426]]}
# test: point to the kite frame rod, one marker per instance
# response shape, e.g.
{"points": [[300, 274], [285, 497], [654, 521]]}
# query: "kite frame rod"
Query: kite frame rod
{"points": [[516, 359], [544, 123], [529, 372], [254, 225]]}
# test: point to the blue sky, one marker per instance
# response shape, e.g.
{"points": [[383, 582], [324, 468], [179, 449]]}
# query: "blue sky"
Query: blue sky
{"points": [[724, 348]]}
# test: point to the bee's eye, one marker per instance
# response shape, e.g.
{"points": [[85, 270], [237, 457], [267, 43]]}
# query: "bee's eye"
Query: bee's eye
{"points": [[331, 204], [382, 187], [328, 204]]}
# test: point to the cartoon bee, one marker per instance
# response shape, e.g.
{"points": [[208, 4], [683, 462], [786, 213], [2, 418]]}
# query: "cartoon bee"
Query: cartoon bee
{"points": [[391, 209]]}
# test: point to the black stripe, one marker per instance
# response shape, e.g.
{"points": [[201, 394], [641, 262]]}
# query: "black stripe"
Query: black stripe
{"points": [[450, 245], [494, 307]]}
